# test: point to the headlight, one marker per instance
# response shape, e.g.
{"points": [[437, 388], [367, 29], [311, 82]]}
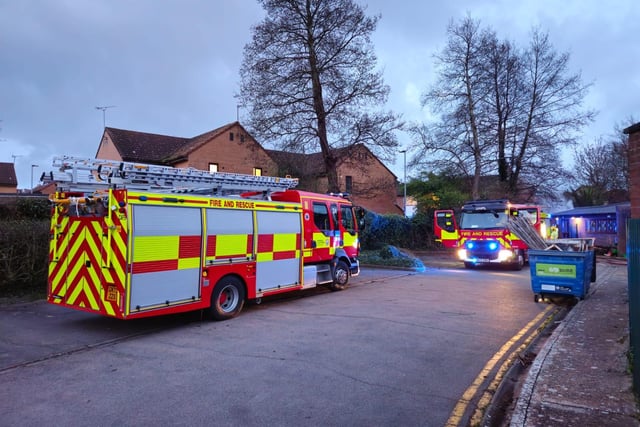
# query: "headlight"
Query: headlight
{"points": [[462, 254], [505, 255]]}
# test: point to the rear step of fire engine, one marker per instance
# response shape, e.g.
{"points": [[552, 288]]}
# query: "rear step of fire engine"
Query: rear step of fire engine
{"points": [[86, 175]]}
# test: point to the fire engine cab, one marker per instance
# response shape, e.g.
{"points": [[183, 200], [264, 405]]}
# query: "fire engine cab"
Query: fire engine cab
{"points": [[132, 240], [483, 236]]}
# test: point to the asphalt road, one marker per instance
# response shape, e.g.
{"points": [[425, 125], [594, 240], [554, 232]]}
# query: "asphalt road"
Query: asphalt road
{"points": [[396, 348]]}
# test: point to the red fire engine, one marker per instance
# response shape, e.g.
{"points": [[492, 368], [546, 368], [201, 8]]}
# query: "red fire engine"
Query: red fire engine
{"points": [[132, 240], [482, 235]]}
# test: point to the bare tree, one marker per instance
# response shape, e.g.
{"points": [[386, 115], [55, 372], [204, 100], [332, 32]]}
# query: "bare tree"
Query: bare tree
{"points": [[503, 111], [456, 97], [310, 84], [551, 117], [601, 170]]}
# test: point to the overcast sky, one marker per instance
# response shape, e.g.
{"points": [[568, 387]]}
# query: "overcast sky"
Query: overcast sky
{"points": [[171, 66]]}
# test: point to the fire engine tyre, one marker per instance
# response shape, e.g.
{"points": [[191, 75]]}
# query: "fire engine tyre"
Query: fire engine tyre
{"points": [[340, 277], [227, 298], [519, 263]]}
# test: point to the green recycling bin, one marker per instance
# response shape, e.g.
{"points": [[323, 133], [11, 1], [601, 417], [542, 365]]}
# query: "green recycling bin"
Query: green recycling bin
{"points": [[560, 272]]}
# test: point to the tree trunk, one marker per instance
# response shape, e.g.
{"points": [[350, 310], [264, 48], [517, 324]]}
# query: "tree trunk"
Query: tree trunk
{"points": [[318, 106]]}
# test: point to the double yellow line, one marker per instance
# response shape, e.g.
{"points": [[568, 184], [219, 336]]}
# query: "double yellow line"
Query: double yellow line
{"points": [[457, 415]]}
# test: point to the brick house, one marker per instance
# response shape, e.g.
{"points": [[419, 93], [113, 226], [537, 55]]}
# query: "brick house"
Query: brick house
{"points": [[231, 148], [360, 173], [634, 168], [8, 180]]}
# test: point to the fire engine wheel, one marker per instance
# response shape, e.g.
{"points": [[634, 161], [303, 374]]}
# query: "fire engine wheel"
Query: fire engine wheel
{"points": [[340, 276], [519, 263], [227, 298]]}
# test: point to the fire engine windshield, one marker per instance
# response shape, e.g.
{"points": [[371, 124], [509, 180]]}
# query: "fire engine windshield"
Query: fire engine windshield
{"points": [[529, 213], [483, 219]]}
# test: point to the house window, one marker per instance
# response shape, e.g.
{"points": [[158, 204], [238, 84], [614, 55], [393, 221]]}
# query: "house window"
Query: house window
{"points": [[242, 137], [230, 136], [213, 167], [348, 184], [257, 171]]}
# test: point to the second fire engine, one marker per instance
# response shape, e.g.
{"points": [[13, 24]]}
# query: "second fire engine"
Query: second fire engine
{"points": [[132, 240], [483, 235]]}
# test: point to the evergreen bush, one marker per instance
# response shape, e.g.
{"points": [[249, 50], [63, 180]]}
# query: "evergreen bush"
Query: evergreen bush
{"points": [[24, 246]]}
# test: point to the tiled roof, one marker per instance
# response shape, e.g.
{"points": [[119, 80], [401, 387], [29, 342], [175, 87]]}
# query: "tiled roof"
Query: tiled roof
{"points": [[312, 164], [153, 148], [298, 164], [145, 147], [8, 175], [198, 141], [593, 210]]}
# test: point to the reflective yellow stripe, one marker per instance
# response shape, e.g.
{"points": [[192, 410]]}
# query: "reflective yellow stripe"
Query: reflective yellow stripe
{"points": [[321, 240], [184, 263], [230, 244], [264, 256], [284, 242], [155, 248]]}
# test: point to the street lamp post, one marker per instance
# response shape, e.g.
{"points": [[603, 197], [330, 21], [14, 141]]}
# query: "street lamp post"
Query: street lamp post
{"points": [[404, 200], [32, 167]]}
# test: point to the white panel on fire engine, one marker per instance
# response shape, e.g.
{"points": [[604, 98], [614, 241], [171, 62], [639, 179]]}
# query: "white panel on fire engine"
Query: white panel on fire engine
{"points": [[166, 256], [310, 276], [279, 255]]}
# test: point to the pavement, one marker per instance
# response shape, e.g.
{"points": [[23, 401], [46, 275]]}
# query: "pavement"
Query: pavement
{"points": [[580, 376]]}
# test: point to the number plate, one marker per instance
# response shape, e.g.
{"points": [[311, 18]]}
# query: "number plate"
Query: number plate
{"points": [[112, 294]]}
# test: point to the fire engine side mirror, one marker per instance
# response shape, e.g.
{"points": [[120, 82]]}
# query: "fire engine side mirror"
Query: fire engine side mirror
{"points": [[360, 214], [446, 221]]}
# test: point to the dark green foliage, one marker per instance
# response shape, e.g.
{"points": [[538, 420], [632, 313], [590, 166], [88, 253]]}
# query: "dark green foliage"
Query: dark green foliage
{"points": [[13, 208], [33, 208], [390, 256], [383, 230], [24, 247], [432, 192]]}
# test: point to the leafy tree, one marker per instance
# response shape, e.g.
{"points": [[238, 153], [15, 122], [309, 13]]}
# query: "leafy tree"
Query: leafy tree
{"points": [[502, 111], [309, 82], [437, 192]]}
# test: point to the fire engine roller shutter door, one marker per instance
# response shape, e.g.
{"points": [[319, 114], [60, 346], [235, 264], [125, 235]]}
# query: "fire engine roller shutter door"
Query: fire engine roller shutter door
{"points": [[278, 255], [166, 256], [229, 235]]}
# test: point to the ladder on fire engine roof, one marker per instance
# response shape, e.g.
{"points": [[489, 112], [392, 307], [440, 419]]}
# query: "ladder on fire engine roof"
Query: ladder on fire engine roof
{"points": [[76, 174]]}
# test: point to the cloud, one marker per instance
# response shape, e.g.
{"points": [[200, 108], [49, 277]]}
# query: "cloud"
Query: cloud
{"points": [[172, 66]]}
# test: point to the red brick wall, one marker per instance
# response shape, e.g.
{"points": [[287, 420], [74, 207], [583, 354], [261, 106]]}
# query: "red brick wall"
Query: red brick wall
{"points": [[107, 150], [374, 186], [240, 155], [634, 168]]}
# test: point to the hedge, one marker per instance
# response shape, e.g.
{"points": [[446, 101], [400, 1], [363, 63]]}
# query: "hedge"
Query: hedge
{"points": [[24, 246]]}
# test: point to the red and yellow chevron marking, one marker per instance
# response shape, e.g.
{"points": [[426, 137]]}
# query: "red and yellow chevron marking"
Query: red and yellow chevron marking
{"points": [[165, 253], [87, 262], [272, 247]]}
